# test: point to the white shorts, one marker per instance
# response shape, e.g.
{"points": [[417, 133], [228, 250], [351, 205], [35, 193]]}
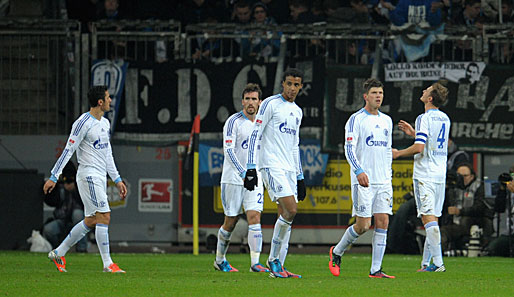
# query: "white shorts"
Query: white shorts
{"points": [[370, 200], [279, 183], [429, 197], [93, 192], [235, 197]]}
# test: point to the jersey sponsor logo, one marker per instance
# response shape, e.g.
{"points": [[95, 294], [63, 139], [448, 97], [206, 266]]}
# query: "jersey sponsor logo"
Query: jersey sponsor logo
{"points": [[284, 129], [244, 145], [98, 145], [371, 142]]}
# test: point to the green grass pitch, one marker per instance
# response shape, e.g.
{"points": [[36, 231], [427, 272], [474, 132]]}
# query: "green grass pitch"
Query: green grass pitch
{"points": [[32, 274]]}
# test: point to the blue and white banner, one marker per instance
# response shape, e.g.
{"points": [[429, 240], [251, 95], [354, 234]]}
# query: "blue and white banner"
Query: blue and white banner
{"points": [[458, 72], [111, 74], [314, 162]]}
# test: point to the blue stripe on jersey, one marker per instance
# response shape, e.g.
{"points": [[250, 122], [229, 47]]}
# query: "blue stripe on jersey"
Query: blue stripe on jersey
{"points": [[350, 156], [230, 153], [420, 139], [92, 190], [266, 102], [81, 124], [421, 134], [251, 147], [270, 179], [352, 119], [355, 197], [223, 195], [300, 162], [417, 194], [61, 159], [418, 121], [231, 123]]}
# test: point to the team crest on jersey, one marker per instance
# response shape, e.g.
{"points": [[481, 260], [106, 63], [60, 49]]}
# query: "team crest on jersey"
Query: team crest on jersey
{"points": [[386, 132], [297, 122]]}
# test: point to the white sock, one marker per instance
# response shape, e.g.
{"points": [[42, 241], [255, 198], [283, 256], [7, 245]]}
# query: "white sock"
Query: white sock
{"points": [[222, 246], [279, 233], [102, 241], [285, 247], [379, 247], [77, 232], [255, 242], [427, 256], [434, 242], [349, 237]]}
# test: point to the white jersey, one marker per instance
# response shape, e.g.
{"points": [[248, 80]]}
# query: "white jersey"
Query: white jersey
{"points": [[368, 146], [276, 133], [432, 130], [90, 138], [236, 131]]}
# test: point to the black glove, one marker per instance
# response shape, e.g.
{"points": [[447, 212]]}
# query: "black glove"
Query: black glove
{"points": [[250, 181], [300, 189]]}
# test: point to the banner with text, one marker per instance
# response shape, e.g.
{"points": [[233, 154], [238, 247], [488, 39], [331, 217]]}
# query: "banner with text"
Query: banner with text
{"points": [[161, 99], [461, 72], [334, 194], [482, 113], [314, 162]]}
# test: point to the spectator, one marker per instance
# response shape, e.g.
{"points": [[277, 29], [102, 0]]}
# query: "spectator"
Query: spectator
{"points": [[68, 211], [503, 245], [469, 15], [261, 47], [278, 9], [242, 14], [301, 13], [197, 11], [417, 12], [468, 207], [507, 12]]}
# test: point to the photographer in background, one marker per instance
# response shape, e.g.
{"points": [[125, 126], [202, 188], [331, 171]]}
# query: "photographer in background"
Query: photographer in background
{"points": [[68, 211], [467, 207], [502, 246]]}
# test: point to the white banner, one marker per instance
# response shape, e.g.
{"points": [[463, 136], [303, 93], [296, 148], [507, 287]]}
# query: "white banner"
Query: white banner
{"points": [[459, 72]]}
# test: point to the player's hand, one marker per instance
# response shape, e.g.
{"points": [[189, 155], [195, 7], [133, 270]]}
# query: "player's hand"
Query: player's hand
{"points": [[510, 186], [406, 128], [122, 188], [363, 179], [250, 181], [48, 186], [300, 189], [396, 153]]}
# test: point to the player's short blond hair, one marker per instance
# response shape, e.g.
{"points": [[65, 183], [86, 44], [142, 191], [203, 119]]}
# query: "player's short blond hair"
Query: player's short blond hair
{"points": [[439, 94]]}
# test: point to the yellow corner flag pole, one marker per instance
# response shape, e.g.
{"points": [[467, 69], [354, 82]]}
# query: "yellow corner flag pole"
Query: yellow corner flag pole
{"points": [[196, 140]]}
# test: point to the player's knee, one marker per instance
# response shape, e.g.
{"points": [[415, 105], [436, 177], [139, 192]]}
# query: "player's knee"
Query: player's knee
{"points": [[253, 217]]}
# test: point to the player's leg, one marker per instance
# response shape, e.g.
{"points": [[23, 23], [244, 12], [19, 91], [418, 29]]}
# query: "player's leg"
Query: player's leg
{"points": [[382, 208], [253, 203], [430, 203], [231, 199], [427, 256], [76, 217], [285, 244], [362, 206]]}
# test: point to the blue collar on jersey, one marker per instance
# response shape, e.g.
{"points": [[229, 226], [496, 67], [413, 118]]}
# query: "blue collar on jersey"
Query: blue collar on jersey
{"points": [[432, 109], [283, 99], [367, 112], [244, 115], [89, 114]]}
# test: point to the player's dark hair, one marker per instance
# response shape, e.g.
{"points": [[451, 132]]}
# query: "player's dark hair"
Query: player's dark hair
{"points": [[251, 87], [372, 83], [439, 94], [96, 93], [293, 72]]}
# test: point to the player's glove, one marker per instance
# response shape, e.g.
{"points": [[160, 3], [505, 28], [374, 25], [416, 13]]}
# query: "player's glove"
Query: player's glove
{"points": [[300, 189], [250, 181]]}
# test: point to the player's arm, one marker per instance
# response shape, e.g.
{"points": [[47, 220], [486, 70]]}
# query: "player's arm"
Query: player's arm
{"points": [[114, 174], [261, 120], [300, 182], [229, 144], [406, 128], [421, 135], [78, 132], [351, 140]]}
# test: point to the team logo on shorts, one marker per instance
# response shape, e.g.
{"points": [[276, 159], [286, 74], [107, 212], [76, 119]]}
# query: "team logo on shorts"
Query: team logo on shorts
{"points": [[279, 188]]}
